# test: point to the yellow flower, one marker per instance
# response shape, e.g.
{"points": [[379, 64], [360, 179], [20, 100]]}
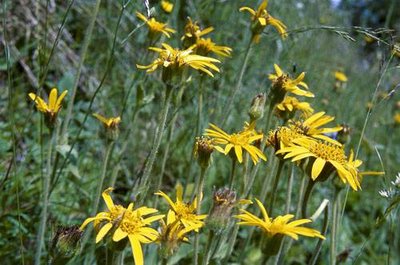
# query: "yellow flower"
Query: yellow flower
{"points": [[261, 19], [54, 105], [174, 60], [173, 233], [238, 141], [283, 84], [278, 225], [155, 26], [312, 126], [184, 212], [167, 6], [111, 122], [193, 32], [127, 223], [205, 46], [291, 104], [283, 136], [326, 156], [136, 227], [340, 76], [396, 118]]}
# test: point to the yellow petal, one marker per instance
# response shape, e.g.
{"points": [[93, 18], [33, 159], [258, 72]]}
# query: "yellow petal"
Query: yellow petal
{"points": [[103, 231], [119, 235], [318, 165], [53, 99], [136, 250]]}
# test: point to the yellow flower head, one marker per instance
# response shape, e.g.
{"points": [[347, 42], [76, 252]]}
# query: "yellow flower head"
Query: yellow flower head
{"points": [[173, 60], [238, 142], [283, 136], [278, 225], [396, 118], [109, 123], [126, 223], [290, 105], [52, 108], [173, 233], [261, 19], [184, 212], [167, 6], [205, 46], [193, 32], [340, 76], [325, 158], [282, 84], [155, 27], [312, 126]]}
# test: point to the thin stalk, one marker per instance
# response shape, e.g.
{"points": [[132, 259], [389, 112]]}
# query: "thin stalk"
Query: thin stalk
{"points": [[318, 247], [335, 223], [99, 189], [232, 176], [199, 191], [275, 186], [228, 106], [85, 46], [231, 243], [199, 105], [307, 194], [287, 209], [208, 249], [45, 202], [157, 138]]}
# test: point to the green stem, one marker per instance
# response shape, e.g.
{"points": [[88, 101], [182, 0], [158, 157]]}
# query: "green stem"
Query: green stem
{"points": [[320, 241], [208, 249], [307, 194], [200, 106], [228, 106], [45, 202], [199, 191], [232, 176], [231, 243], [335, 222], [85, 46], [275, 186], [157, 139]]}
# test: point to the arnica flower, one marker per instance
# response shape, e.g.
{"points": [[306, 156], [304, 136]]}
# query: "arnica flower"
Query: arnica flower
{"points": [[288, 107], [283, 136], [184, 212], [396, 118], [126, 222], [340, 76], [173, 61], [237, 142], [167, 6], [52, 108], [312, 127], [324, 158], [279, 225], [203, 149], [111, 122], [155, 27], [193, 32], [282, 84], [261, 19], [173, 233], [206, 46]]}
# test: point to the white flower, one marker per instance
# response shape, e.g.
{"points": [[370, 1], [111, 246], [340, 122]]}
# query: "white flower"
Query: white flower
{"points": [[397, 180]]}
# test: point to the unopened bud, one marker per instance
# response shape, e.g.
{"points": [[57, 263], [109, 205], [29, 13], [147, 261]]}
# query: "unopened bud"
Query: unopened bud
{"points": [[224, 200], [65, 243], [257, 107]]}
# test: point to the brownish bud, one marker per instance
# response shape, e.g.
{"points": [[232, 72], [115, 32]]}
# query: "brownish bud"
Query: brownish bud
{"points": [[257, 107], [224, 200], [203, 149]]}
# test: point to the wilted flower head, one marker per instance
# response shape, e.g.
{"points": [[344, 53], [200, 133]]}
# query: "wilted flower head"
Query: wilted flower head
{"points": [[261, 19], [65, 243], [50, 109], [173, 61], [202, 150], [282, 84], [110, 124], [155, 27]]}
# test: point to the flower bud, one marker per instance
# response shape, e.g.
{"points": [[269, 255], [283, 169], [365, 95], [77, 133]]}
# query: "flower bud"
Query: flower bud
{"points": [[203, 149], [257, 107]]}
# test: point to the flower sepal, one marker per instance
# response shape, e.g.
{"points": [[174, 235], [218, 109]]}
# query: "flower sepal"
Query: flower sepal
{"points": [[271, 245]]}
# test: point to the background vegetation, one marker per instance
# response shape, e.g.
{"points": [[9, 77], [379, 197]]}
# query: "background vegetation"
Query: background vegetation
{"points": [[356, 37]]}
